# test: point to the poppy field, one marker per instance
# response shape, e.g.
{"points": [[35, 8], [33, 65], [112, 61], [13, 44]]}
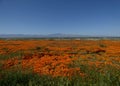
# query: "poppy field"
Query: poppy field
{"points": [[59, 62]]}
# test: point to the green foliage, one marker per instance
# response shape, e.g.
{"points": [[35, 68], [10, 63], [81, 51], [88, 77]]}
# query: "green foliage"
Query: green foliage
{"points": [[18, 54], [109, 77], [93, 78], [42, 49], [15, 78], [102, 45]]}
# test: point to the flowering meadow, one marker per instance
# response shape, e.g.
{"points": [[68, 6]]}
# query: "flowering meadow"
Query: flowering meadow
{"points": [[59, 62]]}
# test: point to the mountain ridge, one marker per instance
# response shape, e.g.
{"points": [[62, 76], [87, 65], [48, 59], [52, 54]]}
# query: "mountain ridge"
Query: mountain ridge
{"points": [[59, 35]]}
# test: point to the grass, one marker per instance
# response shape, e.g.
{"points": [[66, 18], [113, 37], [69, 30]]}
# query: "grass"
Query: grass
{"points": [[93, 78], [110, 76], [18, 54]]}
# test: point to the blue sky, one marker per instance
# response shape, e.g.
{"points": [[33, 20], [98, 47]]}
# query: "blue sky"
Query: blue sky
{"points": [[84, 17]]}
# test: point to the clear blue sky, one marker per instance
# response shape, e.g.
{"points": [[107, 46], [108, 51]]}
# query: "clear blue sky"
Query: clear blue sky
{"points": [[84, 17]]}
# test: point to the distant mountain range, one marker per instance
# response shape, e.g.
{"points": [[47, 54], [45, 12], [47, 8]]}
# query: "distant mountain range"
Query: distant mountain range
{"points": [[56, 35], [38, 36]]}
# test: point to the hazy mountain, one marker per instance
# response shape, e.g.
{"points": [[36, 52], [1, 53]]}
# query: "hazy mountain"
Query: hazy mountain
{"points": [[58, 35], [37, 36], [64, 35], [18, 36]]}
